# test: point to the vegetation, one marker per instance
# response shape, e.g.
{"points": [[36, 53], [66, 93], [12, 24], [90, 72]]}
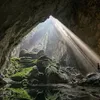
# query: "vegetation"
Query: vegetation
{"points": [[23, 73], [20, 93]]}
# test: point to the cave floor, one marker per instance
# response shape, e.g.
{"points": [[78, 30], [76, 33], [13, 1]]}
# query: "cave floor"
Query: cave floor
{"points": [[49, 92], [44, 79]]}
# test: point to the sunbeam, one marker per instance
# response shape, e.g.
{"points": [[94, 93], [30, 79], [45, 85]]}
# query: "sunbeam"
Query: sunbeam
{"points": [[84, 55]]}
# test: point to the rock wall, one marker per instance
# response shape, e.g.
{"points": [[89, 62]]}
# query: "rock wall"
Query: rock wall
{"points": [[87, 22], [18, 17]]}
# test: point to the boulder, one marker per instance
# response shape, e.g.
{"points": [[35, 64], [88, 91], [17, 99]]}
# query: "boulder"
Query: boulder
{"points": [[22, 74], [42, 63], [33, 73], [55, 76], [32, 55], [25, 53], [28, 61], [22, 52], [92, 79]]}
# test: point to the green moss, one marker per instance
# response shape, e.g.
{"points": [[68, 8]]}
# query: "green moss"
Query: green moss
{"points": [[15, 62], [24, 72], [20, 93], [15, 59]]}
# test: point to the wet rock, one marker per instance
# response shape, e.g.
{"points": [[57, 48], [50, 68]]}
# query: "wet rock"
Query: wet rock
{"points": [[25, 53], [92, 79], [54, 76]]}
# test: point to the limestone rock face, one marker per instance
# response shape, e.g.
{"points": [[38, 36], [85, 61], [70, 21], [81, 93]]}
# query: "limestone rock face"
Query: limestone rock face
{"points": [[87, 23], [18, 17]]}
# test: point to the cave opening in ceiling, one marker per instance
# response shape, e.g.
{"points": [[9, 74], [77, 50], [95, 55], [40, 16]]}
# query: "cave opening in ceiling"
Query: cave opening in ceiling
{"points": [[49, 54]]}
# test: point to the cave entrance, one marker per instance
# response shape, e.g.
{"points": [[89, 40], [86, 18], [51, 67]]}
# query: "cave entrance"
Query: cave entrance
{"points": [[55, 41], [51, 43], [48, 55], [58, 43]]}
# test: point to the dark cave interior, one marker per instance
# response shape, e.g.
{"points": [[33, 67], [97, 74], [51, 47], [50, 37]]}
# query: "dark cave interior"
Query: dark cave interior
{"points": [[44, 60]]}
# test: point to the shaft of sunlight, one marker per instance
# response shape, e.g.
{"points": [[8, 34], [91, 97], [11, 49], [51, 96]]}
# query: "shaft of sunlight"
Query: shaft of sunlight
{"points": [[88, 57]]}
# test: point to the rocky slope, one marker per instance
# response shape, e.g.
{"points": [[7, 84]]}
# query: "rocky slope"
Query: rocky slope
{"points": [[32, 78]]}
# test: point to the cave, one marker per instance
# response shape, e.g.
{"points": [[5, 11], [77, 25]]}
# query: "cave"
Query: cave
{"points": [[49, 50]]}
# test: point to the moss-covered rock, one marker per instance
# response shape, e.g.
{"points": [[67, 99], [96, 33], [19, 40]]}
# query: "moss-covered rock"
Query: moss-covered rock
{"points": [[44, 62], [13, 67], [33, 73], [41, 70], [22, 74], [55, 76], [20, 94]]}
